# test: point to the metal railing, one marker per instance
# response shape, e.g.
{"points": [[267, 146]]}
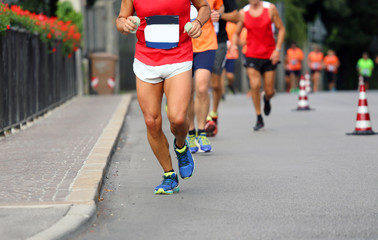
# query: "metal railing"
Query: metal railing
{"points": [[33, 79]]}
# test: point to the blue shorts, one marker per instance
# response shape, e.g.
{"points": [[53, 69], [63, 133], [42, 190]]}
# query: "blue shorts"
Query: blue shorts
{"points": [[230, 65], [204, 60]]}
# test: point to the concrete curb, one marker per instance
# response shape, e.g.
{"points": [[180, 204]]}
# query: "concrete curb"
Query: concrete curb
{"points": [[87, 185], [77, 216]]}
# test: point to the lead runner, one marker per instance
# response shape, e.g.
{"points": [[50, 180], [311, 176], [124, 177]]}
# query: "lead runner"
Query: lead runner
{"points": [[163, 64], [263, 51]]}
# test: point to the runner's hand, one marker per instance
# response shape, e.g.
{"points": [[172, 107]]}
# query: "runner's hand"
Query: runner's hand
{"points": [[196, 30], [275, 57], [233, 49], [126, 25], [215, 16]]}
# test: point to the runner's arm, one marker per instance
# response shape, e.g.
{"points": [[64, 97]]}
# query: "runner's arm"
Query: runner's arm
{"points": [[203, 9], [242, 39], [337, 63], [236, 37], [216, 14], [275, 57], [308, 61], [232, 14], [229, 16], [125, 22]]}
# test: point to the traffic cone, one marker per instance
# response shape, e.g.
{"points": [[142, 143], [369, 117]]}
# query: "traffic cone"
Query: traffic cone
{"points": [[303, 100], [363, 125], [307, 82]]}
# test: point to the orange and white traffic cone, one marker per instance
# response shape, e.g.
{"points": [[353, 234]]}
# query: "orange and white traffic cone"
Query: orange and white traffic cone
{"points": [[303, 99], [363, 125], [307, 82]]}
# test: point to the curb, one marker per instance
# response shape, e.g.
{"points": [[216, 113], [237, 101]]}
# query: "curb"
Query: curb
{"points": [[87, 185], [76, 217]]}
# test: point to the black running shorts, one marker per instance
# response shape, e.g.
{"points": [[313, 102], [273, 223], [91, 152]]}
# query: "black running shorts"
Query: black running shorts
{"points": [[261, 65]]}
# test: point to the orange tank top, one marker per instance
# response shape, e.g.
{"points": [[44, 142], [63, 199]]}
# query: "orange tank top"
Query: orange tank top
{"points": [[230, 29], [208, 38], [295, 58], [331, 63], [315, 60]]}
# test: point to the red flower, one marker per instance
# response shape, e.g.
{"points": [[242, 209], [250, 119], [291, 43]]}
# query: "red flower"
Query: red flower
{"points": [[63, 28], [54, 49], [71, 31], [77, 36], [49, 35], [8, 27], [70, 55], [41, 17]]}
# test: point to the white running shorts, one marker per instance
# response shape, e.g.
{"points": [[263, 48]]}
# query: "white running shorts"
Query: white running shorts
{"points": [[157, 74]]}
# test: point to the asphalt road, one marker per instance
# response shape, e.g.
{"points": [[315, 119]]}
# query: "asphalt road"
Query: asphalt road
{"points": [[299, 178]]}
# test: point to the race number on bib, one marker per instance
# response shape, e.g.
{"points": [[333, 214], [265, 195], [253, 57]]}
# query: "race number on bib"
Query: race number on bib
{"points": [[365, 71], [162, 31], [331, 68], [315, 65]]}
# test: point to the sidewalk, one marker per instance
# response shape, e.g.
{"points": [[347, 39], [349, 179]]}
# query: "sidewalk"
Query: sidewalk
{"points": [[51, 171]]}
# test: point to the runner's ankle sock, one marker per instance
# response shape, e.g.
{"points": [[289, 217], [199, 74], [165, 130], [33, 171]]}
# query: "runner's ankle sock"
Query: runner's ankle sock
{"points": [[213, 114], [201, 131], [192, 132], [180, 148], [169, 171], [259, 118]]}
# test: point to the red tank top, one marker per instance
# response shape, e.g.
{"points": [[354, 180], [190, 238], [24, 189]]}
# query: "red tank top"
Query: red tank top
{"points": [[260, 39], [147, 10]]}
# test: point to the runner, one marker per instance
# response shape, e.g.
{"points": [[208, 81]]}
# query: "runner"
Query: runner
{"points": [[204, 49], [294, 57], [243, 43], [231, 57], [228, 72], [365, 68], [287, 75], [315, 63], [331, 65], [263, 53], [230, 14], [162, 64]]}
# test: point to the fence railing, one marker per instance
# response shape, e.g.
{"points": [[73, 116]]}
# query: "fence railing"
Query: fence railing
{"points": [[33, 78]]}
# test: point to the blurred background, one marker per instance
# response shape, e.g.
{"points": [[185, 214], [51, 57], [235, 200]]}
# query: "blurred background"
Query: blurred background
{"points": [[347, 26]]}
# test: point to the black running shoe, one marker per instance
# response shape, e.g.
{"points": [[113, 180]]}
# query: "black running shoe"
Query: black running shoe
{"points": [[267, 106], [232, 89], [259, 125]]}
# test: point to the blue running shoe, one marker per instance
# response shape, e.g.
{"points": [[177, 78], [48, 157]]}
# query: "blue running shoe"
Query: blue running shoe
{"points": [[204, 142], [169, 185], [185, 161], [193, 145]]}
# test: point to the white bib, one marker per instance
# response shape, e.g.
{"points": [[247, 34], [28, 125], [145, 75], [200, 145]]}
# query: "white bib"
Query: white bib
{"points": [[162, 31]]}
